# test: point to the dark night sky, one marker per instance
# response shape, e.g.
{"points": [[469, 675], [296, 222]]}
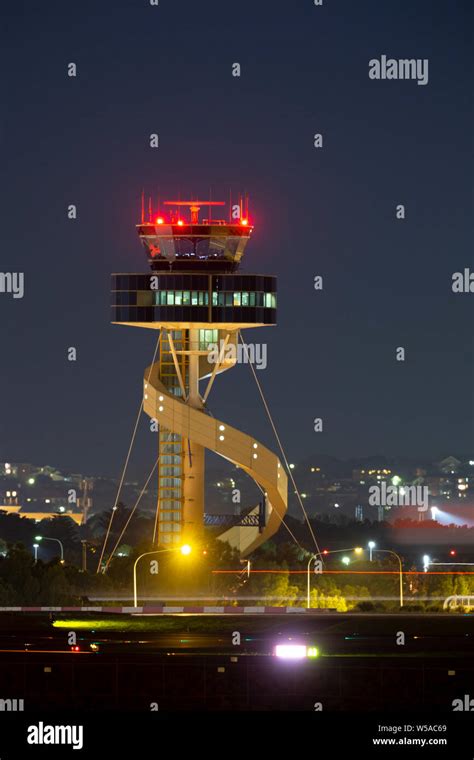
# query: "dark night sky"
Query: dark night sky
{"points": [[143, 69]]}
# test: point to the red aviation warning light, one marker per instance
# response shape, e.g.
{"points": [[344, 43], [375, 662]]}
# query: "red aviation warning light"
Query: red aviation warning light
{"points": [[176, 240]]}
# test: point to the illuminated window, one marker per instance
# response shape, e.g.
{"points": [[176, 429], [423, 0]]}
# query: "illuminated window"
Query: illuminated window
{"points": [[194, 298], [169, 504], [170, 516], [170, 299], [167, 459], [236, 301], [178, 298], [170, 482], [171, 470], [170, 527], [245, 299], [206, 337], [186, 298]]}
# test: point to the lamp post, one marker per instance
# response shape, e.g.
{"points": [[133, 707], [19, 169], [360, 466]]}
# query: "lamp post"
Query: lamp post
{"points": [[84, 555], [389, 551], [247, 564], [35, 547], [371, 546], [356, 549], [185, 550], [47, 538], [308, 600]]}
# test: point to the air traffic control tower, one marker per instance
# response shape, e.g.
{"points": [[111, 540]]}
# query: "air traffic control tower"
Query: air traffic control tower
{"points": [[198, 299]]}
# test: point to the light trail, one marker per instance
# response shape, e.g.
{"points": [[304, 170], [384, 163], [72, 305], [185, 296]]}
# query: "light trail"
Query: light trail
{"points": [[351, 572]]}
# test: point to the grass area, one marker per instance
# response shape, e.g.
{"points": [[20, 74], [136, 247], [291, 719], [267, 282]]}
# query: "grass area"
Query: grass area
{"points": [[338, 625], [158, 624], [344, 625]]}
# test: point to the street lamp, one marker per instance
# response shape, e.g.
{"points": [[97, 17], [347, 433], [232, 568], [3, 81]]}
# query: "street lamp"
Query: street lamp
{"points": [[346, 560], [389, 551], [308, 588], [371, 546], [247, 564], [47, 538], [185, 550], [426, 562], [35, 547]]}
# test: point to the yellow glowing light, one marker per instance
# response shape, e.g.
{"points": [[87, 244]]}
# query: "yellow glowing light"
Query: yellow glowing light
{"points": [[185, 549]]}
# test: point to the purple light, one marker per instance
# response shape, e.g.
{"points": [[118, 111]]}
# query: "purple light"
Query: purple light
{"points": [[290, 651]]}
